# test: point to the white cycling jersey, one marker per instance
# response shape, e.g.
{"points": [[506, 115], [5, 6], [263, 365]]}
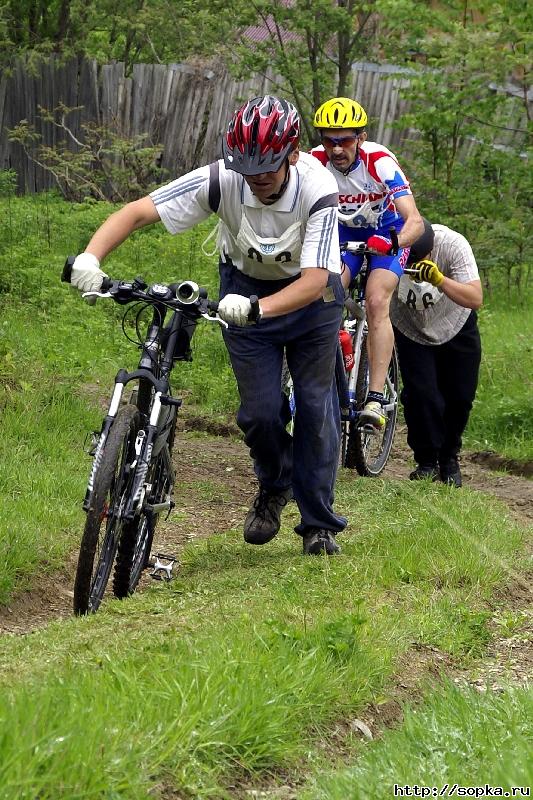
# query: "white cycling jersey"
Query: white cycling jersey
{"points": [[268, 242]]}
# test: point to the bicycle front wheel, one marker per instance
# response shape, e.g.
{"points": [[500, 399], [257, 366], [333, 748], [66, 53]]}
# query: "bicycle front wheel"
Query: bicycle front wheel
{"points": [[368, 451], [136, 540], [104, 526]]}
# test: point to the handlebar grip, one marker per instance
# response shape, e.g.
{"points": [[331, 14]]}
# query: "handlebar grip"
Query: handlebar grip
{"points": [[66, 275], [106, 284], [394, 240], [255, 313]]}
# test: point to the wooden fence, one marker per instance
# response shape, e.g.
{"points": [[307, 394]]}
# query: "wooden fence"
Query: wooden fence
{"points": [[181, 108]]}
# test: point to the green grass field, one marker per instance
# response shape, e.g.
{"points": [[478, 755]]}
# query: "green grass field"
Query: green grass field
{"points": [[236, 674], [242, 666]]}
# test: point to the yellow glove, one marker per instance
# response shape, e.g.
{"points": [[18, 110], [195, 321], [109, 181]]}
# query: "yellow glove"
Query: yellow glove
{"points": [[427, 271]]}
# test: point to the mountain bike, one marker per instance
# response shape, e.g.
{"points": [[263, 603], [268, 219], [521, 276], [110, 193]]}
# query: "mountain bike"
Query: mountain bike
{"points": [[363, 447], [132, 478]]}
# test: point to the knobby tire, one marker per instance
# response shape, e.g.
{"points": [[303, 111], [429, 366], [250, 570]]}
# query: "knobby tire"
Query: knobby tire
{"points": [[368, 453], [102, 529], [136, 541]]}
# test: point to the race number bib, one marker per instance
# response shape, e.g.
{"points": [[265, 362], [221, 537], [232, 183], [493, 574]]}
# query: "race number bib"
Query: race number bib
{"points": [[418, 296]]}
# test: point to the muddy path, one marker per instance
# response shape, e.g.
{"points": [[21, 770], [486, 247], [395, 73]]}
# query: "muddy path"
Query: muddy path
{"points": [[213, 465]]}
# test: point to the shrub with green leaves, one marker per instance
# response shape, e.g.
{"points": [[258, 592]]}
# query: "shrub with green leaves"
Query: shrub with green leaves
{"points": [[96, 163]]}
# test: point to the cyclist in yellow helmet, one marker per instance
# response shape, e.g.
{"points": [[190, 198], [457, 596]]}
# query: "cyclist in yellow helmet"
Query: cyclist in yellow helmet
{"points": [[374, 195]]}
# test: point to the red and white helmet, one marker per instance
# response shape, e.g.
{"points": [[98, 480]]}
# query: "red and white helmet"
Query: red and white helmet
{"points": [[261, 135]]}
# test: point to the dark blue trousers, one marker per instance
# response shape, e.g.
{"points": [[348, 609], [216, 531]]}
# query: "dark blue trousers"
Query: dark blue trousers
{"points": [[308, 460]]}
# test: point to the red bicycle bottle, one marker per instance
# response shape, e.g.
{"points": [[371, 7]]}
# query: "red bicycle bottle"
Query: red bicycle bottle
{"points": [[347, 349]]}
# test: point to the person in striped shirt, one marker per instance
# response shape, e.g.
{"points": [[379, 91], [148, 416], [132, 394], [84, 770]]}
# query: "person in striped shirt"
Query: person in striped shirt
{"points": [[437, 338]]}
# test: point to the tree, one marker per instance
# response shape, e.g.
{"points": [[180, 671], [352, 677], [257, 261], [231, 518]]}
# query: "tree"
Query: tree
{"points": [[122, 30], [307, 46], [470, 149], [44, 25]]}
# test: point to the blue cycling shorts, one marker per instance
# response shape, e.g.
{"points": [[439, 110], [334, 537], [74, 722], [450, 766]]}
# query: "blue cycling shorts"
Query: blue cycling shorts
{"points": [[394, 264]]}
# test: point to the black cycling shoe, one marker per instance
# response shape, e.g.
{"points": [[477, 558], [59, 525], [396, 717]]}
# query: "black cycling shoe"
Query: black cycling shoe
{"points": [[264, 518], [319, 540], [450, 473], [425, 472]]}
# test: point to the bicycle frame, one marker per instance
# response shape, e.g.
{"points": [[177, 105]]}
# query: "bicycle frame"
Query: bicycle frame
{"points": [[144, 445], [358, 329]]}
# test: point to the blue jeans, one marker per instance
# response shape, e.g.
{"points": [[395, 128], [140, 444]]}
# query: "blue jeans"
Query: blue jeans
{"points": [[306, 461]]}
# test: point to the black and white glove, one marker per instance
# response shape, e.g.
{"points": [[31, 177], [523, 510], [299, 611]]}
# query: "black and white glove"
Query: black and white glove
{"points": [[236, 310], [86, 275]]}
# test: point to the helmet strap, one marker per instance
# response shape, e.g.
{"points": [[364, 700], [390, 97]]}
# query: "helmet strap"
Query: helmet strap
{"points": [[274, 197], [354, 162]]}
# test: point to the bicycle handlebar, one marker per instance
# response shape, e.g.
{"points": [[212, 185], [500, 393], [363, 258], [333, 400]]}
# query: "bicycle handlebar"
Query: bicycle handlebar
{"points": [[186, 296], [361, 249]]}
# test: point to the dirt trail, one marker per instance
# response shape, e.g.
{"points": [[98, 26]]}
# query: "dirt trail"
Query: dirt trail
{"points": [[222, 462]]}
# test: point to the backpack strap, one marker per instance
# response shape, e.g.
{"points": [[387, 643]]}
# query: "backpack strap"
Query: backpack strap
{"points": [[214, 187]]}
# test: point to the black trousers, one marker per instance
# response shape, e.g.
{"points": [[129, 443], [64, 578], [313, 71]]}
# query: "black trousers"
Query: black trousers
{"points": [[439, 386]]}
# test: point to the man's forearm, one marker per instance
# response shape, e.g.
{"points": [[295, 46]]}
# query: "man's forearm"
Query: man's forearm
{"points": [[413, 225], [308, 288], [468, 295], [120, 225], [412, 229]]}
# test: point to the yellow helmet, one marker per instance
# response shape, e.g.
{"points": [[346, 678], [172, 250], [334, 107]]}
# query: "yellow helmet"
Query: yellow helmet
{"points": [[340, 112]]}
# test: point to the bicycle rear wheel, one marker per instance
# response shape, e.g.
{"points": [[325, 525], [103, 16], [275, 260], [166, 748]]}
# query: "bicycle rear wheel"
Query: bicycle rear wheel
{"points": [[104, 526], [368, 452]]}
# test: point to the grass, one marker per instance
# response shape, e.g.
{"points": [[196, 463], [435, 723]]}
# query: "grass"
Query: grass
{"points": [[456, 737], [235, 668], [502, 416], [58, 358], [239, 667]]}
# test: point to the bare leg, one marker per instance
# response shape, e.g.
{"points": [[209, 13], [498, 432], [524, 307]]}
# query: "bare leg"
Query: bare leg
{"points": [[346, 276], [379, 288]]}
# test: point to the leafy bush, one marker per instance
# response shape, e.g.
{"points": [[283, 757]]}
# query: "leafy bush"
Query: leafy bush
{"points": [[100, 163]]}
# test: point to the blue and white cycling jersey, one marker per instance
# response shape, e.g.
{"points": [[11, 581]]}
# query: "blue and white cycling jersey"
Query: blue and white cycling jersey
{"points": [[369, 189], [366, 196]]}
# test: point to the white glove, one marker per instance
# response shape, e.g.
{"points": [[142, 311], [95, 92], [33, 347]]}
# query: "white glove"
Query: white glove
{"points": [[86, 275], [235, 309]]}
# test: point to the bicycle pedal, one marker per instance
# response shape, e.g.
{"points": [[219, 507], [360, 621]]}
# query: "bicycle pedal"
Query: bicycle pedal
{"points": [[162, 566]]}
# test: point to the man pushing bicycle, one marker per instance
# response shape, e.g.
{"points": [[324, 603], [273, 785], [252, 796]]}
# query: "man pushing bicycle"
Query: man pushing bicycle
{"points": [[278, 240]]}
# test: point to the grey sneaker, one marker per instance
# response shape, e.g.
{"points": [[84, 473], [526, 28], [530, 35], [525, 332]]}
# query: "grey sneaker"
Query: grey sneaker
{"points": [[264, 518], [319, 540]]}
